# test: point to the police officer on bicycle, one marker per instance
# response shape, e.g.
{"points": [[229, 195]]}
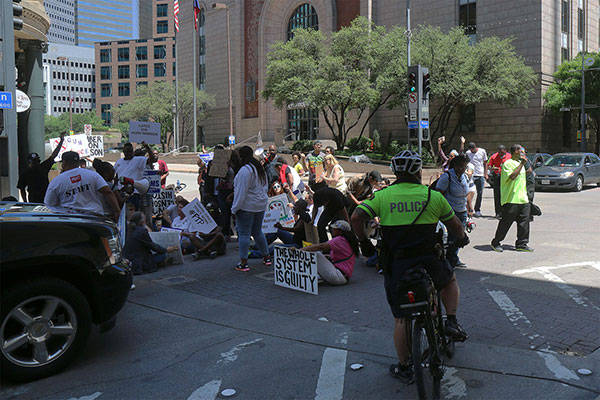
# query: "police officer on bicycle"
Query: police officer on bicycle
{"points": [[409, 213]]}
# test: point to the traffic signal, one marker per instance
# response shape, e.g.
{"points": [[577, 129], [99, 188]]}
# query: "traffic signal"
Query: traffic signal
{"points": [[426, 84], [412, 82], [17, 12]]}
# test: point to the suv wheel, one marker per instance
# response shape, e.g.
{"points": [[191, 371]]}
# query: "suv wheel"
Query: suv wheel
{"points": [[44, 325], [578, 183]]}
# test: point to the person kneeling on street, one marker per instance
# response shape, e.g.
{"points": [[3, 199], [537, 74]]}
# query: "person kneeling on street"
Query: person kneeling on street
{"points": [[343, 250], [140, 250], [203, 245]]}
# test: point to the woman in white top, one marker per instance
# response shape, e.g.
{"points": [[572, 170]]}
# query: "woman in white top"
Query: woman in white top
{"points": [[334, 174], [249, 204]]}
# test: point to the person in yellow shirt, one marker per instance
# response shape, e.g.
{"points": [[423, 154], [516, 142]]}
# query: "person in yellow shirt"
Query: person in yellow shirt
{"points": [[514, 201]]}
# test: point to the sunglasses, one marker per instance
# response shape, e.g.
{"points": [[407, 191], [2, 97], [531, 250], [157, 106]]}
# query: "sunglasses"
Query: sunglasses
{"points": [[277, 186]]}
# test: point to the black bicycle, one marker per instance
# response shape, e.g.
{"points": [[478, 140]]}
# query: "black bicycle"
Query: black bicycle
{"points": [[426, 339]]}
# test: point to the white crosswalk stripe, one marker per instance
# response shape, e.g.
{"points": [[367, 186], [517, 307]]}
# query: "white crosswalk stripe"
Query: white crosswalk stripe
{"points": [[330, 385]]}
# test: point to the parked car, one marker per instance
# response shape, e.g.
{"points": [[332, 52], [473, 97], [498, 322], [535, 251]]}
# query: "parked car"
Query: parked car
{"points": [[59, 274], [538, 159], [116, 150], [569, 171]]}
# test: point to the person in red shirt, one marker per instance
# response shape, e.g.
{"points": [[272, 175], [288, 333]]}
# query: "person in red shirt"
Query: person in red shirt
{"points": [[495, 164], [161, 166]]}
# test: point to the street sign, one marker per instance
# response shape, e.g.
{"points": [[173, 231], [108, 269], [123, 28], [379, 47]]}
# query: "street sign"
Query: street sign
{"points": [[231, 139], [424, 124], [6, 101], [87, 129], [23, 101], [412, 115], [412, 97], [413, 124]]}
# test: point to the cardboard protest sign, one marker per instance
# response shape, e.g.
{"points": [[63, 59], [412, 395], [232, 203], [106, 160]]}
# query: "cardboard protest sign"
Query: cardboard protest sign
{"points": [[270, 219], [162, 200], [199, 218], [206, 157], [154, 178], [96, 145], [148, 132], [296, 269], [319, 172], [165, 229], [166, 239], [76, 143], [280, 202], [311, 232], [219, 167]]}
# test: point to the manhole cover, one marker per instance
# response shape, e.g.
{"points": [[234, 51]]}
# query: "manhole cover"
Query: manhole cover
{"points": [[174, 280], [267, 276]]}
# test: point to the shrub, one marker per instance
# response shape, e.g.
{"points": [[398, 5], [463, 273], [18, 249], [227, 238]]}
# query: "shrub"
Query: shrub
{"points": [[304, 146], [359, 144], [376, 141], [395, 148]]}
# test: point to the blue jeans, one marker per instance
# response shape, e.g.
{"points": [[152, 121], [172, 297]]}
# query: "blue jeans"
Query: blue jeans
{"points": [[452, 253], [479, 184], [250, 223]]}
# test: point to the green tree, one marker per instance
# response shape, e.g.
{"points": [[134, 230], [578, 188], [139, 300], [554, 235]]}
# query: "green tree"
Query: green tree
{"points": [[53, 126], [463, 74], [565, 91], [347, 77], [155, 103]]}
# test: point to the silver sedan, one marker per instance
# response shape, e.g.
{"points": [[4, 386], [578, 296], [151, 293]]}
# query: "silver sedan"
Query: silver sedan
{"points": [[569, 171]]}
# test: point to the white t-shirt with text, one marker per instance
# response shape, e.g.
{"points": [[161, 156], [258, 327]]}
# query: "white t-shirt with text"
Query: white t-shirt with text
{"points": [[78, 189], [478, 159], [133, 168]]}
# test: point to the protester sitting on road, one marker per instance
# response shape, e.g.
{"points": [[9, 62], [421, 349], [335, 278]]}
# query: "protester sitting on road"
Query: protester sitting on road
{"points": [[249, 204], [79, 189], [334, 174], [170, 213], [140, 250], [35, 177], [343, 250], [276, 189], [302, 216], [298, 159], [454, 185], [453, 153], [334, 209], [360, 187]]}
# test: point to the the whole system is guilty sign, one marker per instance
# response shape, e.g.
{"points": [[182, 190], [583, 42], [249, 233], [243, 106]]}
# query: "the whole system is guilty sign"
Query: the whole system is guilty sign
{"points": [[296, 269]]}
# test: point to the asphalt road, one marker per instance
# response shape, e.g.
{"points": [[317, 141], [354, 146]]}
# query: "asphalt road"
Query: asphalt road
{"points": [[191, 331]]}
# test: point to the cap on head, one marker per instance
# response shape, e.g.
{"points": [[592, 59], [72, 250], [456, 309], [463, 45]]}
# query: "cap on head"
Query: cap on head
{"points": [[375, 175], [341, 225], [33, 156], [454, 153], [70, 156]]}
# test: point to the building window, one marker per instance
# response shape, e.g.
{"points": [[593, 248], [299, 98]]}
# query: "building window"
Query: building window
{"points": [[305, 16], [162, 26], [141, 53], [105, 113], [564, 27], [123, 71], [303, 123], [160, 52], [174, 51], [140, 85], [105, 72], [160, 69], [123, 54], [105, 55], [141, 71], [467, 16], [124, 89], [162, 10]]}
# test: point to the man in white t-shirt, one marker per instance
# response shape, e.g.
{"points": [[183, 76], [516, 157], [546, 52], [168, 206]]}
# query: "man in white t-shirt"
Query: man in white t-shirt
{"points": [[131, 166], [478, 157], [79, 188]]}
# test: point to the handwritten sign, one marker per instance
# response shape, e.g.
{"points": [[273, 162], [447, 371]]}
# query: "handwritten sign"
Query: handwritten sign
{"points": [[296, 269], [311, 232], [219, 166], [148, 132], [95, 145], [166, 239], [198, 217], [154, 178], [76, 143], [270, 219], [280, 202], [162, 200], [319, 172]]}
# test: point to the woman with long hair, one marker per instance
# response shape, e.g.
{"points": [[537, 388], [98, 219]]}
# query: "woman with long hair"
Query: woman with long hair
{"points": [[249, 204], [334, 174]]}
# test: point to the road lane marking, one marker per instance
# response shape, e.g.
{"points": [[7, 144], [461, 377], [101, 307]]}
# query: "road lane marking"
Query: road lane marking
{"points": [[207, 392], [593, 264], [330, 385], [231, 356], [523, 325], [90, 397], [453, 385]]}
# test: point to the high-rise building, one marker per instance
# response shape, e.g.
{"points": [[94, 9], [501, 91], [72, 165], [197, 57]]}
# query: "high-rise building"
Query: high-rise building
{"points": [[62, 21], [69, 66]]}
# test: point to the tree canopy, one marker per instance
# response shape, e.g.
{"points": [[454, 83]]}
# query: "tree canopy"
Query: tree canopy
{"points": [[565, 91], [54, 126]]}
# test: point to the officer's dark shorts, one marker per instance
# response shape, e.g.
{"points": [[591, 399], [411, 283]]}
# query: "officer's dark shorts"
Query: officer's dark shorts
{"points": [[440, 272]]}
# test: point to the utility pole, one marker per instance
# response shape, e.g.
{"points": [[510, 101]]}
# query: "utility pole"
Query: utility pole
{"points": [[408, 34], [583, 47]]}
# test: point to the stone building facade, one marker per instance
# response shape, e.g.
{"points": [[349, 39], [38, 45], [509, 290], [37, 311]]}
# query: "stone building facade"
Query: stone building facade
{"points": [[545, 33]]}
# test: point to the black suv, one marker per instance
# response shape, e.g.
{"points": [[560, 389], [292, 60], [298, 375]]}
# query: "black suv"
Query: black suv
{"points": [[59, 273]]}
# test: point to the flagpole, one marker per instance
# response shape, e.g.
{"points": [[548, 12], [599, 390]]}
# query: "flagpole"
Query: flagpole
{"points": [[176, 140], [195, 72]]}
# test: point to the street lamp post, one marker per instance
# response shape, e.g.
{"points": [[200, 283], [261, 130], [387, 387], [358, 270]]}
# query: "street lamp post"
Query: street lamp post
{"points": [[174, 110], [223, 6], [69, 80]]}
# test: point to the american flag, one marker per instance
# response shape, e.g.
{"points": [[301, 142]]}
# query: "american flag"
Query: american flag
{"points": [[176, 14], [196, 13]]}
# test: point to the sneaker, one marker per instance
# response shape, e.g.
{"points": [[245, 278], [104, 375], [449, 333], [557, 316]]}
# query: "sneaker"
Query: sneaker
{"points": [[402, 372], [524, 248], [267, 261], [460, 264], [132, 287], [454, 331], [477, 214], [212, 255], [242, 267], [199, 255], [497, 247]]}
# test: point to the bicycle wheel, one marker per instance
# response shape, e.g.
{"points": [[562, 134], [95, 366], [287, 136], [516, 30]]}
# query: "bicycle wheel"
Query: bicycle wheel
{"points": [[427, 376]]}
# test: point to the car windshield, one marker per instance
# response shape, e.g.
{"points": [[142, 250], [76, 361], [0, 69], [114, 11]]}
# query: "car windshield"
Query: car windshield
{"points": [[564, 161]]}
